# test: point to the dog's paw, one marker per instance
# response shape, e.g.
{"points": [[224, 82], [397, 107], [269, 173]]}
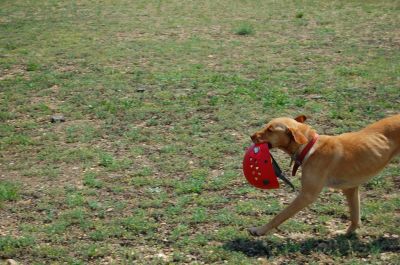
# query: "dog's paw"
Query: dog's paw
{"points": [[255, 231], [352, 229]]}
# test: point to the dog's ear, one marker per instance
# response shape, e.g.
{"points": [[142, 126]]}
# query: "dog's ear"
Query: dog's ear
{"points": [[298, 136], [301, 118]]}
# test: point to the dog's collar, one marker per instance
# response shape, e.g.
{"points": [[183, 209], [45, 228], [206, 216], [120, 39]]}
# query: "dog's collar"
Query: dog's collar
{"points": [[298, 160]]}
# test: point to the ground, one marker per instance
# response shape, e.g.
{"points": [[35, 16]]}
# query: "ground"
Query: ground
{"points": [[159, 99]]}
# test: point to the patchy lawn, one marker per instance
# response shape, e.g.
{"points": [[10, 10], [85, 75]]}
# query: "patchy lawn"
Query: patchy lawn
{"points": [[159, 100]]}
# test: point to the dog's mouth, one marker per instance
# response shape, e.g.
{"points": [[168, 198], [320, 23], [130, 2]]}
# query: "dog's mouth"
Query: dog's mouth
{"points": [[258, 141]]}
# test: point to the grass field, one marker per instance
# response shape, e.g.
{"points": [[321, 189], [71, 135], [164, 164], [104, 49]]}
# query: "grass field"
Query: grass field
{"points": [[160, 98]]}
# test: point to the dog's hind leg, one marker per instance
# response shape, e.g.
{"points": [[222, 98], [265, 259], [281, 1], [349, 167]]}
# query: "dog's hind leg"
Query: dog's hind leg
{"points": [[353, 199]]}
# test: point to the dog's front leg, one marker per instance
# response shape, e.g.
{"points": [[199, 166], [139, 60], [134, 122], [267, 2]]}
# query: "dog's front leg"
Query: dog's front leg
{"points": [[306, 197]]}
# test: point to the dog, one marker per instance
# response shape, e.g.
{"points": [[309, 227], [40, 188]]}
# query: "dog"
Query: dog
{"points": [[341, 162]]}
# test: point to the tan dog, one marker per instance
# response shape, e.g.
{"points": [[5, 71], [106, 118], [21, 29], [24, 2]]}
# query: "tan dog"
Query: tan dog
{"points": [[342, 162]]}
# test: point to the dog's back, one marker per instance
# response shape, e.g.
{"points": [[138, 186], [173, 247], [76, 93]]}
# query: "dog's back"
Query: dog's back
{"points": [[390, 128]]}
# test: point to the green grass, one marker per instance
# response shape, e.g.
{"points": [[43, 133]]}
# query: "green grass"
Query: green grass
{"points": [[160, 98], [10, 246], [9, 191], [244, 29]]}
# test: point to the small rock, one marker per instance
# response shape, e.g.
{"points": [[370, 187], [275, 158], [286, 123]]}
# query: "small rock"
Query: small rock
{"points": [[155, 190], [25, 202], [140, 89], [162, 256], [11, 262], [57, 118], [314, 96]]}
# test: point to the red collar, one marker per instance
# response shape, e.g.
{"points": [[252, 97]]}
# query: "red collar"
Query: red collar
{"points": [[299, 159]]}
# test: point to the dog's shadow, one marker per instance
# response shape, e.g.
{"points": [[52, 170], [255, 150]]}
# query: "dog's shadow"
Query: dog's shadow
{"points": [[339, 245]]}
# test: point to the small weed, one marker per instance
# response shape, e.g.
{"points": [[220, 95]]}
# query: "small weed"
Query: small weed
{"points": [[75, 199], [379, 181], [9, 191], [90, 180], [108, 161], [244, 29], [17, 140], [5, 115], [275, 99], [246, 207], [350, 71], [10, 246], [144, 172], [48, 171], [50, 252], [226, 217], [32, 66], [57, 227], [300, 102], [199, 215], [82, 154], [139, 223], [194, 184], [294, 226], [174, 210], [93, 251], [179, 231], [143, 181], [81, 133], [227, 233], [136, 135], [75, 216], [94, 205], [222, 181], [136, 151], [98, 235]]}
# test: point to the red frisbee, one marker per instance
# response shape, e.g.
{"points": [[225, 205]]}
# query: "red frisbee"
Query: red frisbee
{"points": [[258, 168]]}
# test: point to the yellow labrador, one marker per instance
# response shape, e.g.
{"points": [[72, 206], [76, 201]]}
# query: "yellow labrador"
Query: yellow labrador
{"points": [[342, 162]]}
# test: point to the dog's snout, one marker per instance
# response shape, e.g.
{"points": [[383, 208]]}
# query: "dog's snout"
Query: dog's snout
{"points": [[254, 138]]}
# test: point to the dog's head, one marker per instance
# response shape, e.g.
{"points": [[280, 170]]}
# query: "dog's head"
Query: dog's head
{"points": [[281, 132]]}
